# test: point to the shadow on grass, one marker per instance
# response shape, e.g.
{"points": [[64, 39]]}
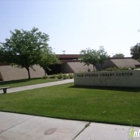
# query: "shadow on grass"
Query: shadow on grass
{"points": [[17, 81], [127, 89]]}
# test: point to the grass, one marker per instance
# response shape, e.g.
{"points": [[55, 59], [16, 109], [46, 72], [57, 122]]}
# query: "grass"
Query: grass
{"points": [[116, 106], [25, 82]]}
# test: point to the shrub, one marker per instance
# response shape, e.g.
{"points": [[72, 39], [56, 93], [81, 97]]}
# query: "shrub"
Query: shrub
{"points": [[45, 77], [65, 76], [53, 76], [116, 69], [59, 76], [124, 68], [112, 69], [70, 75]]}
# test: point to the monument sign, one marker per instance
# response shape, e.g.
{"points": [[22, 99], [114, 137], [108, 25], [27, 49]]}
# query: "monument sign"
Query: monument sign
{"points": [[122, 78]]}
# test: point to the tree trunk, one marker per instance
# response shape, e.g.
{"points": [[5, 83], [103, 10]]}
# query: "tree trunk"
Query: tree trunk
{"points": [[44, 72], [94, 68], [88, 68], [28, 70]]}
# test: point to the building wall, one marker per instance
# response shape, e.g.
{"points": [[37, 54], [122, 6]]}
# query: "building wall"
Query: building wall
{"points": [[108, 64], [1, 79], [14, 73], [127, 63], [120, 63], [72, 67]]}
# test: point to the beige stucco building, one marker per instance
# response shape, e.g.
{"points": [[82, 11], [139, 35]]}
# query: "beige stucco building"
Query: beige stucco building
{"points": [[8, 72], [70, 63]]}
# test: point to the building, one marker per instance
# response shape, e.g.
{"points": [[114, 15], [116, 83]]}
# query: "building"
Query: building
{"points": [[7, 72], [126, 62], [70, 63]]}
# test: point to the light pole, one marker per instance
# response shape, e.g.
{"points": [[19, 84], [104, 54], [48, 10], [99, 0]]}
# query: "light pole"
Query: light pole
{"points": [[63, 51]]}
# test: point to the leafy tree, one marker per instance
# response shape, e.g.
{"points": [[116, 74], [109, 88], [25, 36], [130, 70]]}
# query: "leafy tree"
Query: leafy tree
{"points": [[47, 58], [102, 56], [135, 51], [24, 48], [91, 56], [118, 55]]}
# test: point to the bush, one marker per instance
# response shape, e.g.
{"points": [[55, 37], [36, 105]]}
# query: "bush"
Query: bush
{"points": [[124, 68], [65, 76], [116, 69], [45, 77], [112, 69], [70, 75], [59, 76], [53, 76]]}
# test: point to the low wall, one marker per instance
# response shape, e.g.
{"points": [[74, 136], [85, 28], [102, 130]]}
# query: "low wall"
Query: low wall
{"points": [[124, 78]]}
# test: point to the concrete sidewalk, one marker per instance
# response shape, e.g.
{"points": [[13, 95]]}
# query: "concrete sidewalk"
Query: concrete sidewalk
{"points": [[27, 127], [10, 90]]}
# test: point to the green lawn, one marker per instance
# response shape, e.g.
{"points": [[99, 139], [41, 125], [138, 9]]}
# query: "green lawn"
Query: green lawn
{"points": [[117, 106], [26, 82]]}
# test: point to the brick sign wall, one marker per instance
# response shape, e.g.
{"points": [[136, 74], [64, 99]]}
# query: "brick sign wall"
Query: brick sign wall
{"points": [[124, 78]]}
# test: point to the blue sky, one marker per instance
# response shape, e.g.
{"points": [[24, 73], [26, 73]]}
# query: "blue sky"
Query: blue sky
{"points": [[73, 25]]}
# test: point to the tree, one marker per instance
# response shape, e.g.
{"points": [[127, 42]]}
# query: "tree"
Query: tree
{"points": [[102, 56], [47, 58], [135, 51], [91, 56], [24, 48], [118, 55]]}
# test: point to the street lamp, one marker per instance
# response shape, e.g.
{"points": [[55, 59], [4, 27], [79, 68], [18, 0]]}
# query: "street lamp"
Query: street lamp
{"points": [[63, 51]]}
